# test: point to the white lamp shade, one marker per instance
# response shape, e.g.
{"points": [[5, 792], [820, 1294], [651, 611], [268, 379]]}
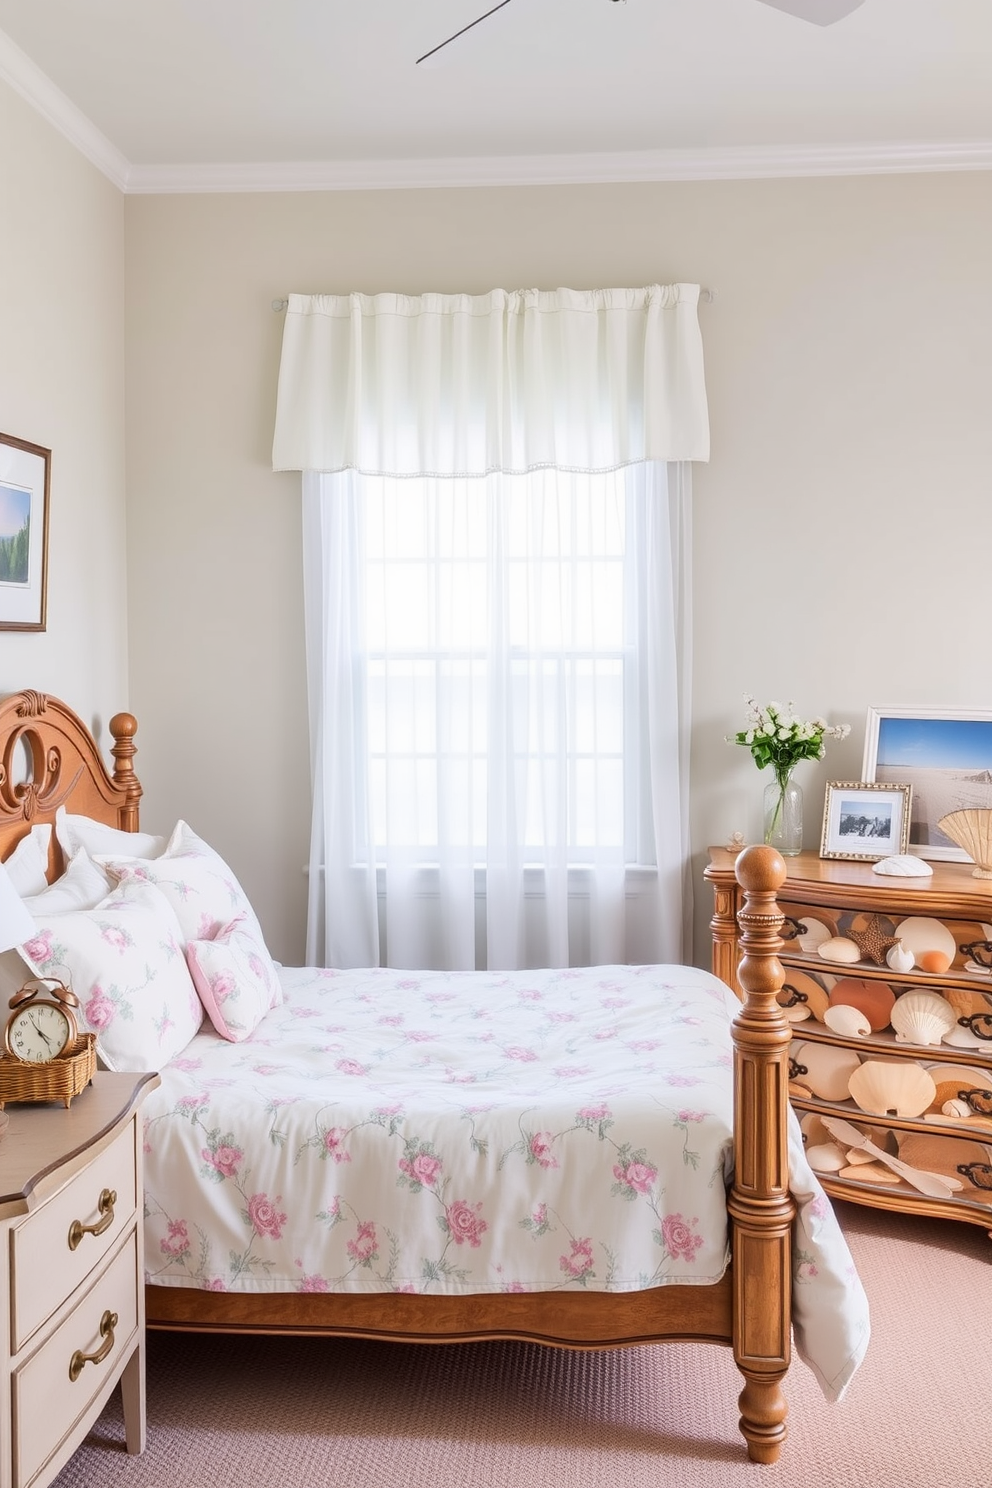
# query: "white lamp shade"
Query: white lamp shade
{"points": [[16, 924]]}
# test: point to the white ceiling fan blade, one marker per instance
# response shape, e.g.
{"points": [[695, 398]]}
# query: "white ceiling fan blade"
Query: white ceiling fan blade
{"points": [[820, 12], [433, 53]]}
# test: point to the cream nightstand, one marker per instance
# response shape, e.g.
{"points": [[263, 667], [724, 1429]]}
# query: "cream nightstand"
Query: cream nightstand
{"points": [[71, 1275]]}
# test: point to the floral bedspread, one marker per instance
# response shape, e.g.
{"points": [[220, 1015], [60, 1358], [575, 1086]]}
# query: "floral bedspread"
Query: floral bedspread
{"points": [[471, 1132]]}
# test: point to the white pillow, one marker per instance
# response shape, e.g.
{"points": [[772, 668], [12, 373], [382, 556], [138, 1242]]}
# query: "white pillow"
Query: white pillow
{"points": [[237, 986], [200, 887], [27, 866], [82, 886], [124, 961], [74, 832]]}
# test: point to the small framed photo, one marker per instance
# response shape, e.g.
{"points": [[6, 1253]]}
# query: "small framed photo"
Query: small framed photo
{"points": [[864, 820], [945, 754], [24, 481]]}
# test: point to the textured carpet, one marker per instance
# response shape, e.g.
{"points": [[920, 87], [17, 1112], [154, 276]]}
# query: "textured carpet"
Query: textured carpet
{"points": [[508, 1415]]}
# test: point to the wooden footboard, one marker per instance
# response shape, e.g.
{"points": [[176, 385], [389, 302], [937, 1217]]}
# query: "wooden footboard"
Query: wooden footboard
{"points": [[749, 1309]]}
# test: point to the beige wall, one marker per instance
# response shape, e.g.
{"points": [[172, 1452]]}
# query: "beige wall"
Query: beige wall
{"points": [[849, 364], [62, 386]]}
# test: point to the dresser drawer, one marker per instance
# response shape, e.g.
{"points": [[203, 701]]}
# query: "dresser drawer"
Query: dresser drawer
{"points": [[47, 1402], [46, 1267]]}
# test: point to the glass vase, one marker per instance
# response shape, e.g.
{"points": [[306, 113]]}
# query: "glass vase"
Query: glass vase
{"points": [[783, 815]]}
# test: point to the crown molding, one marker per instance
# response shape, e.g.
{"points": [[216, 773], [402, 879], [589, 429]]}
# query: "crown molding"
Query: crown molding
{"points": [[738, 163], [17, 69]]}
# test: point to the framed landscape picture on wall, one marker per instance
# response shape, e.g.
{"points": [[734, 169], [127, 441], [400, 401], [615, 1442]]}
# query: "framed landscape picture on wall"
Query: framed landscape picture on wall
{"points": [[24, 483], [945, 754]]}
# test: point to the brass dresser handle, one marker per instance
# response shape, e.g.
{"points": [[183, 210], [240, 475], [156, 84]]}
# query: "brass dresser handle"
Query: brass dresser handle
{"points": [[107, 1325], [105, 1206]]}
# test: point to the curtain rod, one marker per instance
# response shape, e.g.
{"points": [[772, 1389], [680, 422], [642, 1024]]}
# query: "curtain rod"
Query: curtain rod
{"points": [[704, 294]]}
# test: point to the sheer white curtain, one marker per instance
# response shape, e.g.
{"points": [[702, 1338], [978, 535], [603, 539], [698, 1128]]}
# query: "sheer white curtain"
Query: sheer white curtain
{"points": [[497, 648]]}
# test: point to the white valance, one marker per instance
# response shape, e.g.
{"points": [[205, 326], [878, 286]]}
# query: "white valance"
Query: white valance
{"points": [[464, 385]]}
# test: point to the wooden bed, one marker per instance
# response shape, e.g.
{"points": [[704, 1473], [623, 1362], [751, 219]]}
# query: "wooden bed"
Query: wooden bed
{"points": [[749, 1309]]}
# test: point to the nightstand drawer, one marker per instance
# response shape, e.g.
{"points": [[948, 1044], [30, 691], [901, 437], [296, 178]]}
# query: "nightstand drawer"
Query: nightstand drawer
{"points": [[47, 1401], [46, 1266]]}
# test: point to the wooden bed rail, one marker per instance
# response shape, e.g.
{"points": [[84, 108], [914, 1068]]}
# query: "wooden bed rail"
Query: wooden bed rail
{"points": [[760, 1201]]}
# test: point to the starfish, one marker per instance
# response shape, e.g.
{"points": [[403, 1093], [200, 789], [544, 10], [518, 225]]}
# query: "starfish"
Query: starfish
{"points": [[872, 941]]}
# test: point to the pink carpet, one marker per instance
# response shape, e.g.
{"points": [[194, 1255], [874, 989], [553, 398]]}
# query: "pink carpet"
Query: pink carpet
{"points": [[506, 1415]]}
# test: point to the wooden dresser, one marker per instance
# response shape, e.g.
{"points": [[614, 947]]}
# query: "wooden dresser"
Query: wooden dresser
{"points": [[830, 897], [71, 1291]]}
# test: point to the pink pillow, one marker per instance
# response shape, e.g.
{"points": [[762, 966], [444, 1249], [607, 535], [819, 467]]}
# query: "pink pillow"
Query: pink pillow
{"points": [[237, 983]]}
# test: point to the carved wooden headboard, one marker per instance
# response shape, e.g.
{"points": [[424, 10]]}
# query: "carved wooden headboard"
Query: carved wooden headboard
{"points": [[49, 758]]}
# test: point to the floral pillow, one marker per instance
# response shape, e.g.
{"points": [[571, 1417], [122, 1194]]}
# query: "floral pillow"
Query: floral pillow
{"points": [[201, 888], [124, 961], [237, 986]]}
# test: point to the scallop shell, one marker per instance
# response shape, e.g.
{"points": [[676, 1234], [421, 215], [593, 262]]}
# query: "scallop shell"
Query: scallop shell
{"points": [[964, 1038], [884, 1088], [847, 1020], [813, 1130], [966, 1003], [921, 933], [875, 999], [815, 934], [972, 830], [957, 1108], [902, 865], [839, 949], [828, 1068], [922, 1018], [826, 1157], [899, 957]]}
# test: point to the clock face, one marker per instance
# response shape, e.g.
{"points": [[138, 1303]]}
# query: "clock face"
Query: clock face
{"points": [[38, 1032]]}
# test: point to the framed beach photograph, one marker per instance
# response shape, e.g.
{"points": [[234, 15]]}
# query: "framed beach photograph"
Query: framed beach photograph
{"points": [[945, 754], [865, 821], [24, 481]]}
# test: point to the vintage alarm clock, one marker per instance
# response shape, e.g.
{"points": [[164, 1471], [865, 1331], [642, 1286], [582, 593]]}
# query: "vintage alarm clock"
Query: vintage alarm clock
{"points": [[45, 1057]]}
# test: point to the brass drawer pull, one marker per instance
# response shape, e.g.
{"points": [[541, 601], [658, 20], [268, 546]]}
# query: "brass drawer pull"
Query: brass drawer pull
{"points": [[105, 1206], [107, 1325]]}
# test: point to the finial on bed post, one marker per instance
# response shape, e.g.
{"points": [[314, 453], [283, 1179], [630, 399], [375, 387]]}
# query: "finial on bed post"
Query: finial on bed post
{"points": [[124, 726], [760, 1204]]}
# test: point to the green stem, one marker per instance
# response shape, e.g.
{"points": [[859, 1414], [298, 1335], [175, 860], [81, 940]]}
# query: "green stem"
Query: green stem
{"points": [[782, 777]]}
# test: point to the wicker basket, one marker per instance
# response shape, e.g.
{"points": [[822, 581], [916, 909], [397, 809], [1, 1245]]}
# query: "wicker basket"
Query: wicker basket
{"points": [[58, 1080]]}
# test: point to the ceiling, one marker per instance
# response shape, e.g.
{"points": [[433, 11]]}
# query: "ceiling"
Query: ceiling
{"points": [[235, 94]]}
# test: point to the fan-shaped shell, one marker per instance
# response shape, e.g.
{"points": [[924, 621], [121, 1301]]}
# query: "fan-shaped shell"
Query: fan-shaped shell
{"points": [[875, 999], [902, 865], [826, 1157], [815, 934], [921, 1018], [972, 830], [828, 1068], [921, 933], [845, 1019], [964, 1038], [811, 993], [813, 1130], [966, 1003], [839, 949], [883, 1088]]}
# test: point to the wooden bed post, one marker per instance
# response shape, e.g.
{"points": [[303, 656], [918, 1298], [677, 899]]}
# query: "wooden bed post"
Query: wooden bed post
{"points": [[760, 1203], [124, 726]]}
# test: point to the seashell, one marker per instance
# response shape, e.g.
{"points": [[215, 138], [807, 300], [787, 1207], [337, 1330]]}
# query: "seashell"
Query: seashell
{"points": [[964, 1038], [972, 830], [813, 1130], [921, 1018], [886, 1088], [847, 1020], [899, 957], [857, 1157], [826, 1158], [837, 948], [799, 1091], [828, 1068], [869, 1172], [801, 989], [965, 1003], [919, 933], [956, 1108], [902, 865], [875, 999], [815, 934], [934, 961]]}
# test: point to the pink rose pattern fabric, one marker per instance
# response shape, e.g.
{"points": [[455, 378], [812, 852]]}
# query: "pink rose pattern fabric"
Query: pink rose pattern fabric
{"points": [[469, 1132], [237, 984], [124, 961]]}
